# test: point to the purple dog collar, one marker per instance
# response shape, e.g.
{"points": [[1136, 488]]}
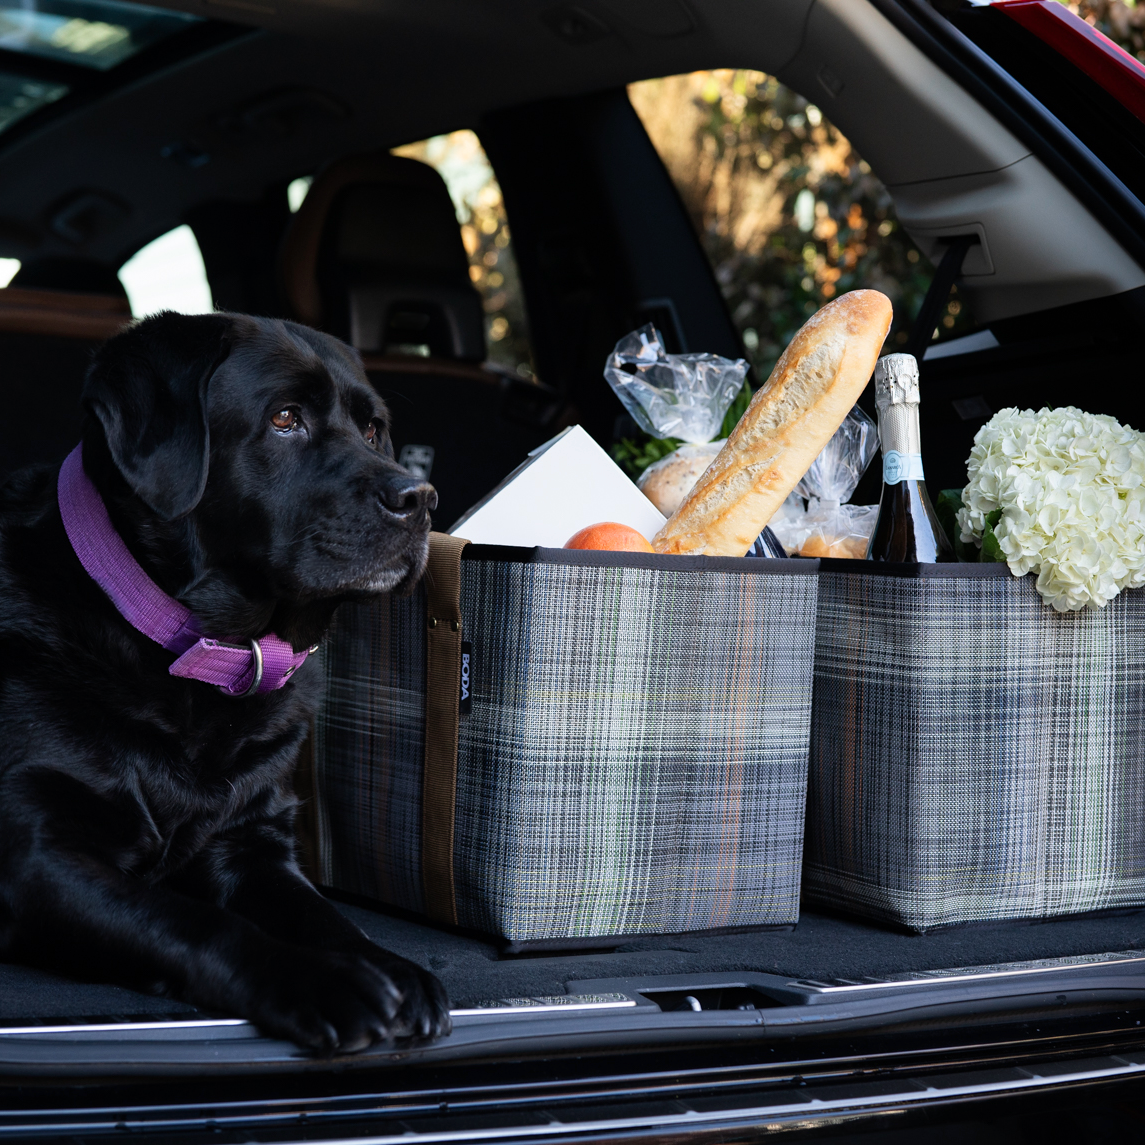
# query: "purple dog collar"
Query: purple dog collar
{"points": [[264, 666]]}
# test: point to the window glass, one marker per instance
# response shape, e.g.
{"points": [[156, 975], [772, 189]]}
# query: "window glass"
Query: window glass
{"points": [[789, 214], [20, 97], [167, 274], [296, 192], [460, 160], [94, 33]]}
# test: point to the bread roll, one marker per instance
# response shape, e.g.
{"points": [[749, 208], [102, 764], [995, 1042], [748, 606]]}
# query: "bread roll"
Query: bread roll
{"points": [[817, 380], [853, 548], [668, 481]]}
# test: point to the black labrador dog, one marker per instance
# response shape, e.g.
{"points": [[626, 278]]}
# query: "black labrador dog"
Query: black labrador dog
{"points": [[146, 821]]}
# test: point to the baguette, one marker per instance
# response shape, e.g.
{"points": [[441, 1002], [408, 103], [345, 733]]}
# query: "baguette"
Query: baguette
{"points": [[817, 380]]}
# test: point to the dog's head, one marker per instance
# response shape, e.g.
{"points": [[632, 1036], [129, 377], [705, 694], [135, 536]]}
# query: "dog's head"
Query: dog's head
{"points": [[267, 440]]}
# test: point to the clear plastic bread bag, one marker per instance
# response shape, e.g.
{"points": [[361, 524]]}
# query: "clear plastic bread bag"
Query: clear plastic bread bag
{"points": [[815, 520], [684, 396], [673, 395]]}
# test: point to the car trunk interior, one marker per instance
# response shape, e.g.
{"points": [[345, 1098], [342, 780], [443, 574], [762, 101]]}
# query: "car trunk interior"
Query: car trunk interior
{"points": [[949, 166], [474, 969]]}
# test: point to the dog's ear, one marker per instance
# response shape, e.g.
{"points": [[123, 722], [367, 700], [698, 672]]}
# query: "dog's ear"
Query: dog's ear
{"points": [[148, 389]]}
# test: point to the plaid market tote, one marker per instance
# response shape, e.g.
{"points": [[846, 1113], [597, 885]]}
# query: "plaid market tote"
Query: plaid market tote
{"points": [[617, 743], [975, 755]]}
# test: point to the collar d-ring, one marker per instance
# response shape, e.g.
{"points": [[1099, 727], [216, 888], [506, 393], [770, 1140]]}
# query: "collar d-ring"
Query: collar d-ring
{"points": [[256, 651]]}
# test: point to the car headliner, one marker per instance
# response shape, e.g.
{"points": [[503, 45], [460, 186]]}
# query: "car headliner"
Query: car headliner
{"points": [[375, 74], [404, 70]]}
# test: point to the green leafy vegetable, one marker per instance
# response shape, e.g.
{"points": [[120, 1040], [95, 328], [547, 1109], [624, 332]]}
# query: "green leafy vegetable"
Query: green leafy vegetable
{"points": [[735, 411], [635, 454], [991, 550], [947, 506]]}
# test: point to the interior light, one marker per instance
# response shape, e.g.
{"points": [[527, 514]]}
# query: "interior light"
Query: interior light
{"points": [[92, 36], [95, 33]]}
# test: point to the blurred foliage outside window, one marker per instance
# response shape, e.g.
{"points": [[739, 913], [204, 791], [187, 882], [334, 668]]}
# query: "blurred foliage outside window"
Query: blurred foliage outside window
{"points": [[790, 216], [460, 160], [1122, 22]]}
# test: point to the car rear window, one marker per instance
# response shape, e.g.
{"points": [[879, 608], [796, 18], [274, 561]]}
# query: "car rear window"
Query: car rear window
{"points": [[92, 33], [789, 214], [168, 274]]}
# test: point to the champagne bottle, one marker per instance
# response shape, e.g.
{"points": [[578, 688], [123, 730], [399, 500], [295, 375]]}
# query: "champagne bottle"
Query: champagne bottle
{"points": [[907, 527]]}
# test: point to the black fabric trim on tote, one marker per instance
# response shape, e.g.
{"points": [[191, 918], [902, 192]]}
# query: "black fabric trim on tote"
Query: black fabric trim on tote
{"points": [[976, 923], [537, 945], [601, 559], [965, 570]]}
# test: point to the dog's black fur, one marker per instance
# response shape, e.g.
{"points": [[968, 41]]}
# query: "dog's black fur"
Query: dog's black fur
{"points": [[146, 821]]}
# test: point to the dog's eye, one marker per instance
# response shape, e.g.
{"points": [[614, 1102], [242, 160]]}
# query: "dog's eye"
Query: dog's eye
{"points": [[372, 433], [284, 420]]}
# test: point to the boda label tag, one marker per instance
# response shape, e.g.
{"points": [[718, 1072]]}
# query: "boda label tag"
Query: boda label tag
{"points": [[466, 677]]}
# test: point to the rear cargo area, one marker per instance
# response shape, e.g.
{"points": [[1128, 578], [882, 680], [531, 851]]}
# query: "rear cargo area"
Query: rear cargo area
{"points": [[821, 948]]}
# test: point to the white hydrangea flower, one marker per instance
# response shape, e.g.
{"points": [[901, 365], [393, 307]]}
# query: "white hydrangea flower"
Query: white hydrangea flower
{"points": [[1071, 487]]}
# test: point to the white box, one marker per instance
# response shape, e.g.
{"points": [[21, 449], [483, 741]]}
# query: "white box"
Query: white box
{"points": [[562, 486]]}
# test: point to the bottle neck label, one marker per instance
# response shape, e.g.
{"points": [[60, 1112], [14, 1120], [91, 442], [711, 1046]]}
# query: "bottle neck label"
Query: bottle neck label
{"points": [[901, 467]]}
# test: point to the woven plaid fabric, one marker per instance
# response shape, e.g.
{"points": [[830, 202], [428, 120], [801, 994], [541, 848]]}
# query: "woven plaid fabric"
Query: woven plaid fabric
{"points": [[369, 744], [634, 762], [975, 754]]}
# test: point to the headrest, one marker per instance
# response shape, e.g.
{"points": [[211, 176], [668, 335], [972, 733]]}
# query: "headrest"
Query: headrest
{"points": [[375, 256]]}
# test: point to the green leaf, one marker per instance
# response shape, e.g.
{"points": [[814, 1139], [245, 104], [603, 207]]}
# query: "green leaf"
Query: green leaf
{"points": [[635, 454], [946, 507], [735, 411], [991, 550]]}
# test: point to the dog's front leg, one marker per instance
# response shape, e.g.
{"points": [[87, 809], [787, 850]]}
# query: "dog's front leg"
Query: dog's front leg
{"points": [[251, 870], [65, 905]]}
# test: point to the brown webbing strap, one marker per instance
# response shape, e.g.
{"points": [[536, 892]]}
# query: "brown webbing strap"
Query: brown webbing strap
{"points": [[442, 701]]}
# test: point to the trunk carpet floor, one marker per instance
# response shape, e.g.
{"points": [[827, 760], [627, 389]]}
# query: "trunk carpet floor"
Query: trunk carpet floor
{"points": [[474, 970]]}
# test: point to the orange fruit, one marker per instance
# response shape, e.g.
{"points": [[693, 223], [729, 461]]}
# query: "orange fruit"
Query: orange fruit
{"points": [[609, 535]]}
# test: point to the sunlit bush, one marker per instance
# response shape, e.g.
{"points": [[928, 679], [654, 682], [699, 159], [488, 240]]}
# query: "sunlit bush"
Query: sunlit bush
{"points": [[789, 214], [1123, 23]]}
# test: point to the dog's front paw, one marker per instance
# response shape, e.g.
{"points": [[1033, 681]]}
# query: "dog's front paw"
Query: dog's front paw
{"points": [[343, 1002], [424, 1008]]}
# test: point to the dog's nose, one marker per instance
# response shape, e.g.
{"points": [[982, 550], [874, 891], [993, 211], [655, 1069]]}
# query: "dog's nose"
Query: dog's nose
{"points": [[404, 495]]}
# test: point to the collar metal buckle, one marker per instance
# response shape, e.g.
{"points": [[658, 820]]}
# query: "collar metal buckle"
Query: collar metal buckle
{"points": [[256, 651]]}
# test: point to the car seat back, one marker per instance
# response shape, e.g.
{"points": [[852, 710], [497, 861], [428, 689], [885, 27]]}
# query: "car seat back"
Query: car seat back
{"points": [[375, 256]]}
